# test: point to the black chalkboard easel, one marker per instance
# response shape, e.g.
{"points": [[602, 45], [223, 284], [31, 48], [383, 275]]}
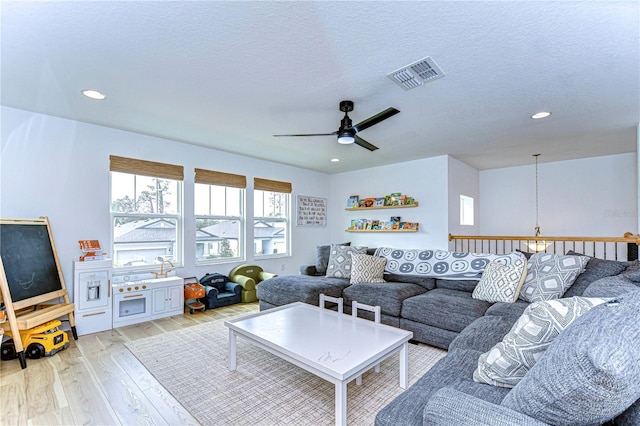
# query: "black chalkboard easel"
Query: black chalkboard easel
{"points": [[30, 275]]}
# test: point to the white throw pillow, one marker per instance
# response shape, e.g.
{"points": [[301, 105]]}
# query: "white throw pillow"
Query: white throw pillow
{"points": [[501, 283], [550, 275], [509, 360], [367, 269], [340, 260]]}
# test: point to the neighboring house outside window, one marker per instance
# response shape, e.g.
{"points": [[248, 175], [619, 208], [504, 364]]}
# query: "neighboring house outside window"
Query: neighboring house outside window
{"points": [[271, 221], [146, 213], [219, 213]]}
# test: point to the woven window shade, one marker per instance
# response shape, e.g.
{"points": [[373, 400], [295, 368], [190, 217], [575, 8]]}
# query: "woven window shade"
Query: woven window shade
{"points": [[271, 185], [211, 177], [146, 168]]}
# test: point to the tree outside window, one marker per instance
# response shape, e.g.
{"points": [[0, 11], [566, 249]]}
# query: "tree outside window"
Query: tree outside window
{"points": [[271, 223], [219, 223], [145, 214]]}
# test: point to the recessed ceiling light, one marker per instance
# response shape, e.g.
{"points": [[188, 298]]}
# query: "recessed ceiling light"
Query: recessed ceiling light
{"points": [[94, 94], [335, 160], [538, 115]]}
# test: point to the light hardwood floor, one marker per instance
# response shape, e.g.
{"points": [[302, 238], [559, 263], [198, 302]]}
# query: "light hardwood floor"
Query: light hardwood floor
{"points": [[96, 380]]}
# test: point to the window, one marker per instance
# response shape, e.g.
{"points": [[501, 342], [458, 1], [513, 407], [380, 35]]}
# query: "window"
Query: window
{"points": [[146, 213], [271, 224], [466, 210], [219, 214]]}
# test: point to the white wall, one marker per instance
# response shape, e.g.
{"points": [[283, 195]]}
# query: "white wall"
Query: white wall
{"points": [[60, 168], [463, 180], [424, 179], [588, 197]]}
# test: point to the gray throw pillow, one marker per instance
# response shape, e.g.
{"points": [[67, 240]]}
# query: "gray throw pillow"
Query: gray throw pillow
{"points": [[322, 257], [591, 371], [340, 260]]}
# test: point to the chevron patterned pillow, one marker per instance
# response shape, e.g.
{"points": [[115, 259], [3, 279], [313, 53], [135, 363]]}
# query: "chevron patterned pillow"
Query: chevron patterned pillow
{"points": [[509, 360], [501, 283], [367, 269]]}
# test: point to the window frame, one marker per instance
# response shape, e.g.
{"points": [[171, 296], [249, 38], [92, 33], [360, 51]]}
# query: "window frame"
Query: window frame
{"points": [[286, 220], [241, 231], [178, 217]]}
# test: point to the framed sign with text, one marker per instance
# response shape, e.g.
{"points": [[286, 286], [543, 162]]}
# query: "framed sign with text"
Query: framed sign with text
{"points": [[311, 211]]}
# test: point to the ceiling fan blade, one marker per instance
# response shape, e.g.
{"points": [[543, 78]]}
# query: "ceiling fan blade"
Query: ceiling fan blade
{"points": [[375, 119], [311, 134], [359, 141]]}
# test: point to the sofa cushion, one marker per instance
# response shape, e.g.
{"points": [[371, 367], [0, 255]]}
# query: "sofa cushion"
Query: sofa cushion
{"points": [[501, 283], [482, 334], [610, 287], [287, 289], [550, 275], [367, 269], [510, 359], [459, 285], [595, 270], [449, 406], [322, 257], [633, 271], [448, 309], [428, 283], [453, 371], [590, 373], [389, 296], [339, 265], [512, 311]]}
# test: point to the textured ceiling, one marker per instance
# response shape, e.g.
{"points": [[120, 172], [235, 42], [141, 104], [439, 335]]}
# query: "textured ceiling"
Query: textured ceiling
{"points": [[229, 75]]}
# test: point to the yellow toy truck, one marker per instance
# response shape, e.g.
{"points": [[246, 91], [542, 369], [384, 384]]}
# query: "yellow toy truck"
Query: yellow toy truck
{"points": [[43, 340]]}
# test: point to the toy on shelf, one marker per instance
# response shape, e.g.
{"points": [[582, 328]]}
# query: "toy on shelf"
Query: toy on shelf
{"points": [[395, 199], [91, 250]]}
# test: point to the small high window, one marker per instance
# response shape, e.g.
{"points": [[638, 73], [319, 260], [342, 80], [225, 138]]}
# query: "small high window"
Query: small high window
{"points": [[466, 210]]}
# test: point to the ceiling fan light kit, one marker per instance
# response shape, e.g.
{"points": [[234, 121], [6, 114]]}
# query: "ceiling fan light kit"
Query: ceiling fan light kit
{"points": [[346, 133]]}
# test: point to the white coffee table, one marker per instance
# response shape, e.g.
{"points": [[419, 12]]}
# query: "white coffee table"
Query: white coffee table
{"points": [[333, 346]]}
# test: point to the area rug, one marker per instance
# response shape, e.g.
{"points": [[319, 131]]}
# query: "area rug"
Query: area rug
{"points": [[264, 390]]}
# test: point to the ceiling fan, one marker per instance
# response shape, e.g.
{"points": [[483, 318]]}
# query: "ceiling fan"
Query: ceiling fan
{"points": [[347, 133]]}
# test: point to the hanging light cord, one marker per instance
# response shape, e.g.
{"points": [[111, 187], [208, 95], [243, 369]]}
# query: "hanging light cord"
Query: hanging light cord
{"points": [[537, 228]]}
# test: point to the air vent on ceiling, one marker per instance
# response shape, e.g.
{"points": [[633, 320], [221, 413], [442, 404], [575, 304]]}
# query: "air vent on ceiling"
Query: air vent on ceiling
{"points": [[416, 74]]}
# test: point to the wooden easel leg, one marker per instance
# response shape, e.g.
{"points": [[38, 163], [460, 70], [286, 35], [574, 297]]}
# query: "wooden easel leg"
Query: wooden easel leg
{"points": [[74, 332], [23, 360]]}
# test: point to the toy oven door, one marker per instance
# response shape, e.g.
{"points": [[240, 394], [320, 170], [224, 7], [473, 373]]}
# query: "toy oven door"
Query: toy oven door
{"points": [[131, 307]]}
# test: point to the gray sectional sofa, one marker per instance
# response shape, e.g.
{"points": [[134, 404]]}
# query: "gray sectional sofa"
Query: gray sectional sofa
{"points": [[590, 374]]}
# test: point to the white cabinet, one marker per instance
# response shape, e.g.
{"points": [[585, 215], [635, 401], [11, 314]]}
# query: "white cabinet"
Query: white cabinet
{"points": [[167, 298], [92, 296]]}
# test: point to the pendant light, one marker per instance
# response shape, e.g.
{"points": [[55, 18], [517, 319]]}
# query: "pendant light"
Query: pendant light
{"points": [[537, 245]]}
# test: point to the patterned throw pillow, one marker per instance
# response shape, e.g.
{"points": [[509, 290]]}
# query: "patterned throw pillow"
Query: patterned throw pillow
{"points": [[367, 269], [501, 283], [550, 275], [322, 257], [340, 260], [509, 360]]}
